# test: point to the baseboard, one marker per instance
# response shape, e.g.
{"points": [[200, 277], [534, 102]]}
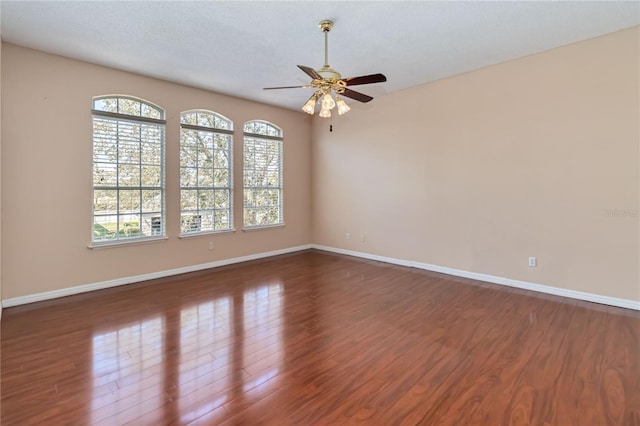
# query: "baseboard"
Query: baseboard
{"points": [[573, 294], [590, 297], [38, 297]]}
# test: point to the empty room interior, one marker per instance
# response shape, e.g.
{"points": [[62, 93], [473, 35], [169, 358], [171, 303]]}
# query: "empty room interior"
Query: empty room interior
{"points": [[319, 213]]}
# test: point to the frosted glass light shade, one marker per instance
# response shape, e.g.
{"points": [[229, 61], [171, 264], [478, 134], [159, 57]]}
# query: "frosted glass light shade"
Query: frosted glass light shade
{"points": [[343, 108], [328, 102], [325, 112]]}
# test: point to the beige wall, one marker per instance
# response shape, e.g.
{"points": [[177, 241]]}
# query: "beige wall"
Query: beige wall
{"points": [[480, 171], [46, 175]]}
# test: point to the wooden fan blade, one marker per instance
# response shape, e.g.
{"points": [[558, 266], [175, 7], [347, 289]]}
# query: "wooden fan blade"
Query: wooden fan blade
{"points": [[356, 95], [283, 87], [365, 79], [310, 72]]}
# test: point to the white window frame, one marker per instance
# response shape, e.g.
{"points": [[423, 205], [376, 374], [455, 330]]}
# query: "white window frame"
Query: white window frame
{"points": [[262, 135], [110, 165], [191, 173]]}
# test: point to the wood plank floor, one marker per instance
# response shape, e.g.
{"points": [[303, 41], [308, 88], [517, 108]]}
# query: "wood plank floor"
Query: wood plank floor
{"points": [[317, 338]]}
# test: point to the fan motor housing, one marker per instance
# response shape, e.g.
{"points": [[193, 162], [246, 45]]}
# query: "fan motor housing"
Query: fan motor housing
{"points": [[328, 72]]}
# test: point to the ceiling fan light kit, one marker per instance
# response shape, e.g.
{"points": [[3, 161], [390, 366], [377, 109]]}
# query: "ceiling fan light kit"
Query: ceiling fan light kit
{"points": [[327, 80]]}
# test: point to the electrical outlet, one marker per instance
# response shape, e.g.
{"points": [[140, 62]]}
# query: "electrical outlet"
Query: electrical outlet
{"points": [[211, 246], [533, 262], [348, 236]]}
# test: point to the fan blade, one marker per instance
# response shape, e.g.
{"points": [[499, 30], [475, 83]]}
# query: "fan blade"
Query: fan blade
{"points": [[283, 87], [365, 79], [356, 95], [310, 72]]}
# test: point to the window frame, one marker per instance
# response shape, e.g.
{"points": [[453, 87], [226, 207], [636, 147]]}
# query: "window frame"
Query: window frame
{"points": [[157, 229], [280, 205], [197, 215]]}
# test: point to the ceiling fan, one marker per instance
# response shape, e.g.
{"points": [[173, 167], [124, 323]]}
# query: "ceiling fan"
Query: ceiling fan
{"points": [[326, 79]]}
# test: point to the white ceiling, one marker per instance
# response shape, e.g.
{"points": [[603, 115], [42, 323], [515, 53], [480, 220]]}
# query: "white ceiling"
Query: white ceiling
{"points": [[239, 47]]}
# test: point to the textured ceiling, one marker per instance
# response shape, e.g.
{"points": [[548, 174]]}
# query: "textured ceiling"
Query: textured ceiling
{"points": [[240, 47]]}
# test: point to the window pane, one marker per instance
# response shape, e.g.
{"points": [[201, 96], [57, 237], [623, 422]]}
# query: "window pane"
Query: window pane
{"points": [[273, 178], [188, 199], [205, 150], [273, 215], [128, 226], [152, 224], [128, 175], [249, 197], [190, 223], [129, 107], [222, 141], [150, 112], [221, 177], [189, 118], [129, 201], [250, 216], [151, 153], [151, 175], [105, 202], [152, 200], [205, 199], [221, 159], [105, 174], [206, 220], [107, 104], [205, 177], [222, 219], [103, 149], [129, 151], [222, 199], [188, 156], [105, 227], [188, 176], [222, 124], [205, 120]]}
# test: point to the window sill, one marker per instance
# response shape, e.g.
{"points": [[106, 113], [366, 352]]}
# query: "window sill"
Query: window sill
{"points": [[264, 227], [121, 243], [205, 233]]}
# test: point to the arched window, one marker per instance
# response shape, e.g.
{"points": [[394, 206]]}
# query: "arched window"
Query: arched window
{"points": [[262, 176], [128, 170], [206, 180]]}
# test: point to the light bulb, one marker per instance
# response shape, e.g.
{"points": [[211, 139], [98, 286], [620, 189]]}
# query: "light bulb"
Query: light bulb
{"points": [[343, 108], [325, 112], [310, 106], [328, 102]]}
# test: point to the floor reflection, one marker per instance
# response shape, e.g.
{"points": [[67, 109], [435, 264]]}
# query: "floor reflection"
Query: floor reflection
{"points": [[188, 363], [127, 369], [206, 333], [262, 315]]}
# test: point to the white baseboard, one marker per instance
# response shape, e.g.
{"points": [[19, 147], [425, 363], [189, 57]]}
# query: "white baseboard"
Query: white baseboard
{"points": [[573, 294], [590, 297], [38, 297]]}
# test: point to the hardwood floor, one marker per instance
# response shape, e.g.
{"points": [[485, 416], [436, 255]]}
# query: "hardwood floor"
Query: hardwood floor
{"points": [[317, 338]]}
